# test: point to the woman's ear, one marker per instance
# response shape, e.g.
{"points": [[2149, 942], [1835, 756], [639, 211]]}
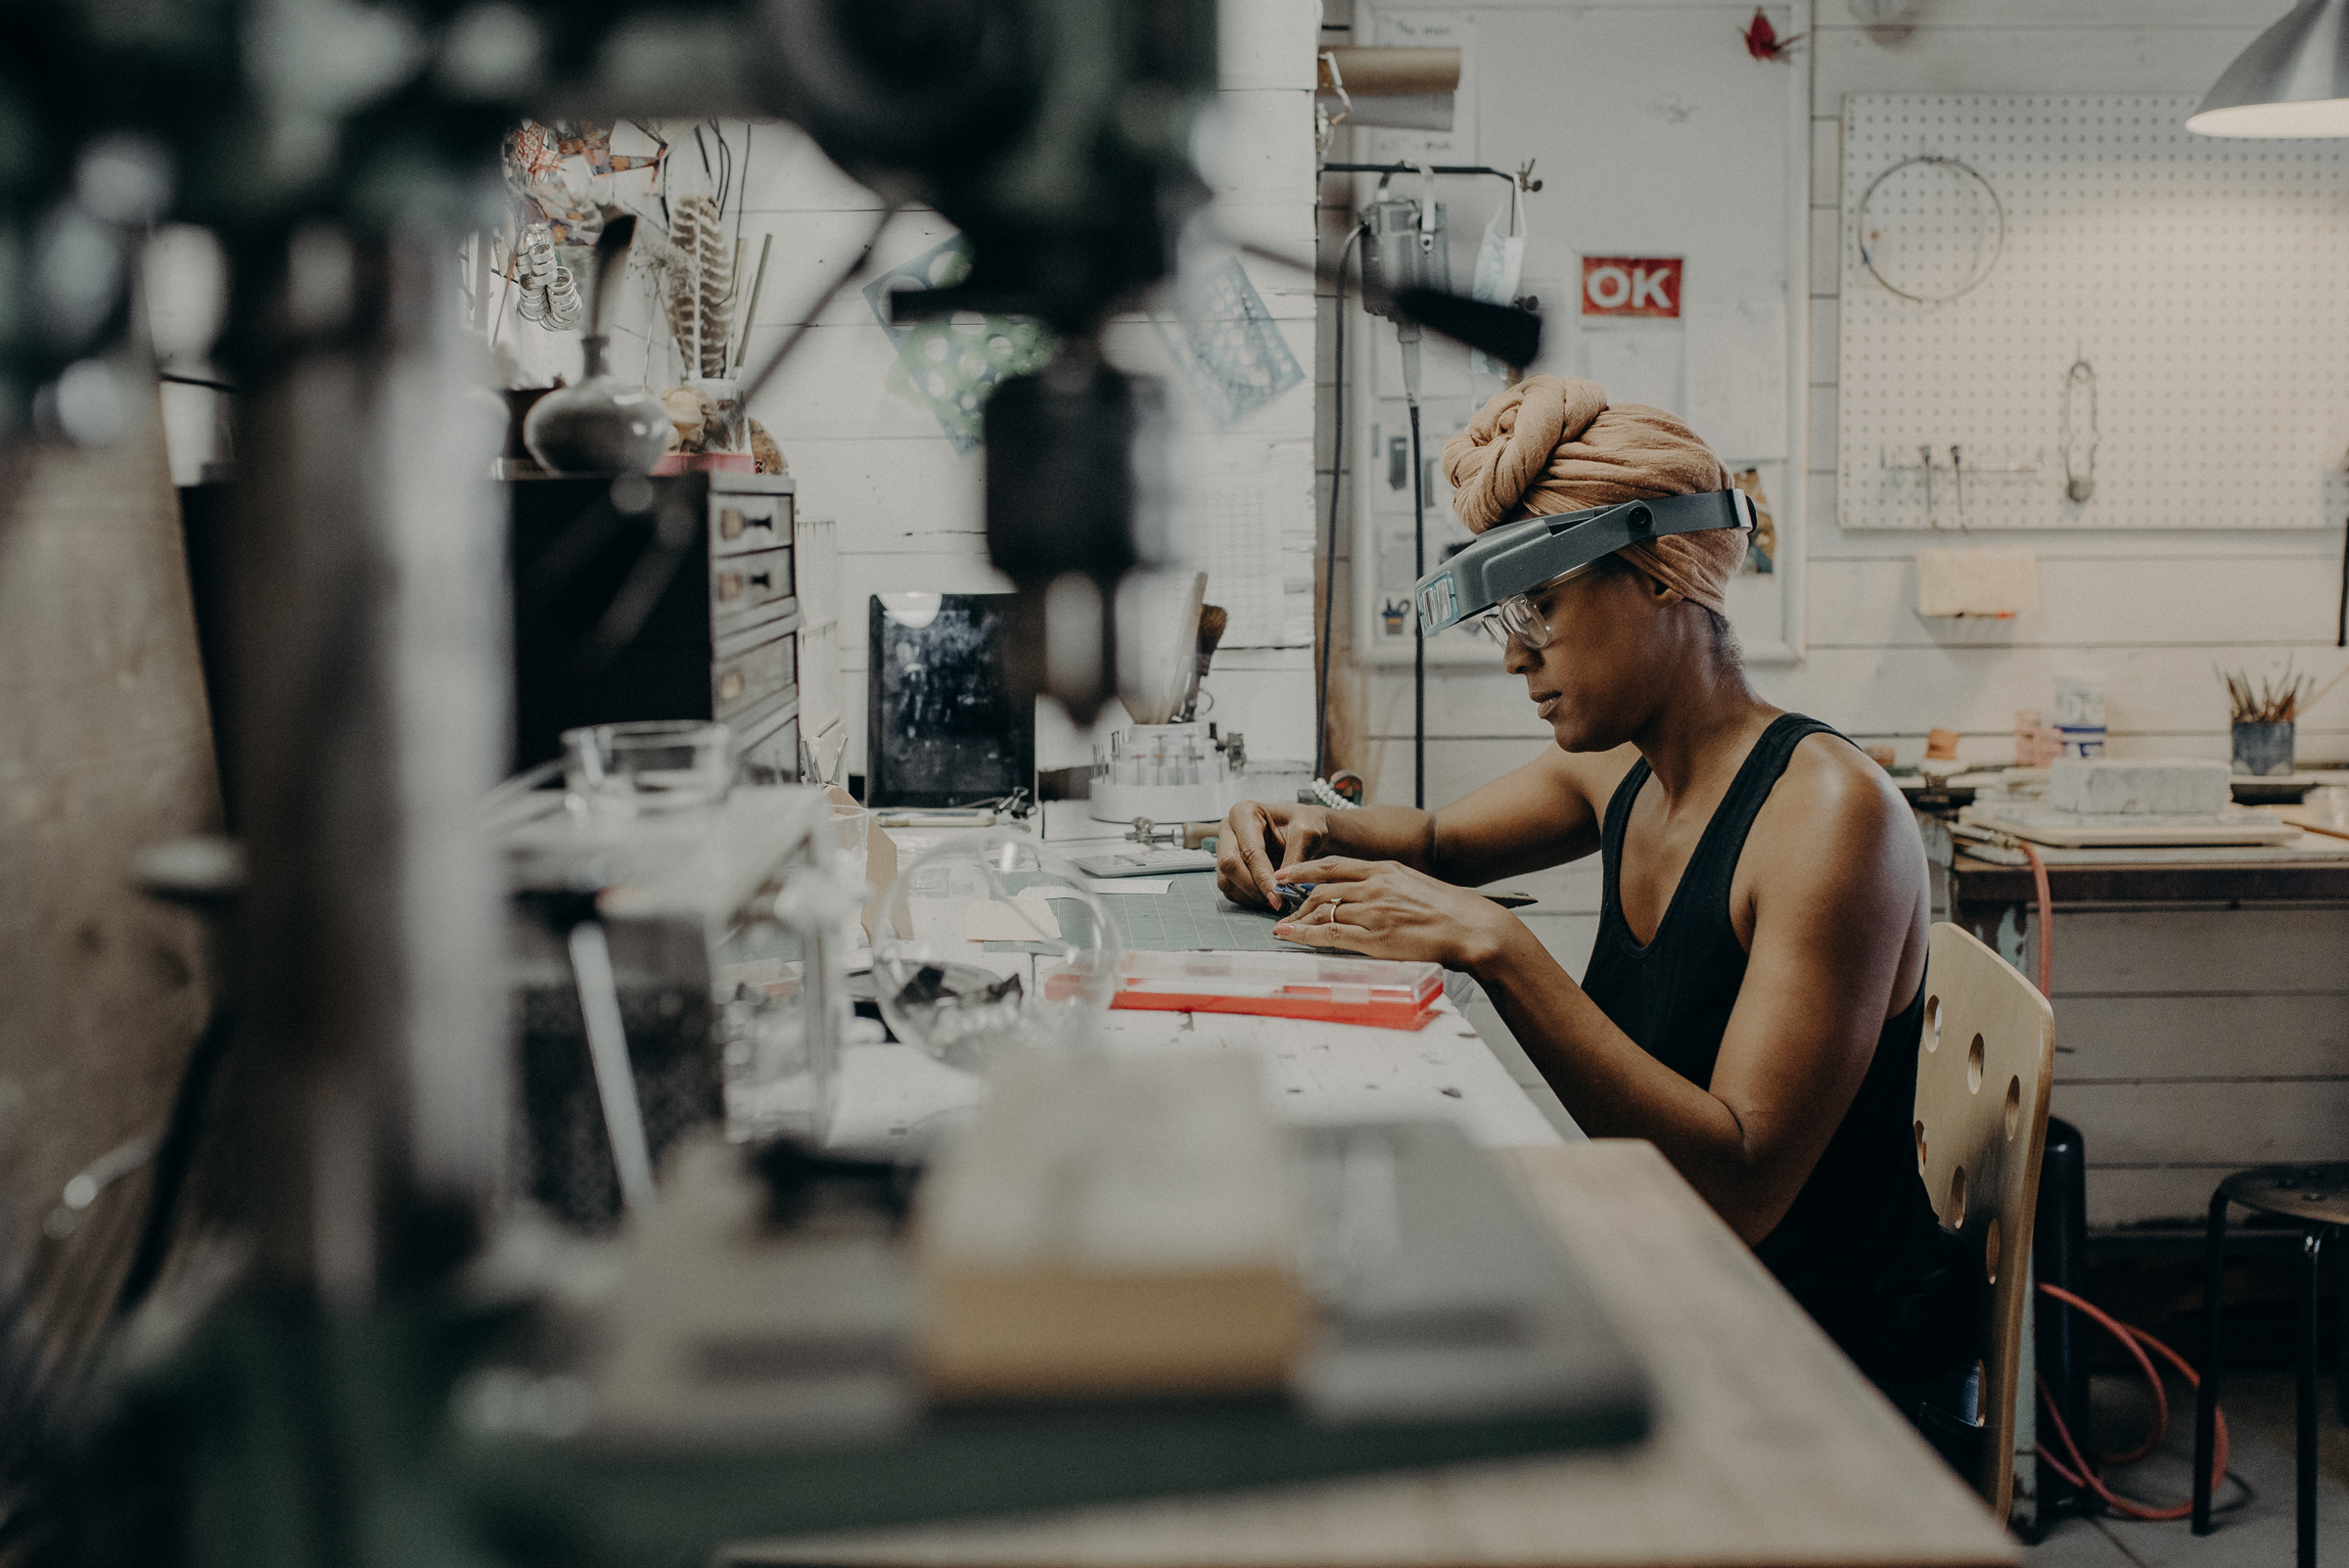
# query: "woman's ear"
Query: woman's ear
{"points": [[1655, 589]]}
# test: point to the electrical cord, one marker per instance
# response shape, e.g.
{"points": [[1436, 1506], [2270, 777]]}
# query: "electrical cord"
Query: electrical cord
{"points": [[2078, 1472], [2086, 1476], [1337, 477]]}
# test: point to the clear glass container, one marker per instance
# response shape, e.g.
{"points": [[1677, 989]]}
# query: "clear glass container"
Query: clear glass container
{"points": [[726, 427], [645, 767], [1044, 985]]}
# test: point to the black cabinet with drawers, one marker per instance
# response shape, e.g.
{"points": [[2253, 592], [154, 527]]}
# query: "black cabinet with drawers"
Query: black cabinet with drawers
{"points": [[655, 598]]}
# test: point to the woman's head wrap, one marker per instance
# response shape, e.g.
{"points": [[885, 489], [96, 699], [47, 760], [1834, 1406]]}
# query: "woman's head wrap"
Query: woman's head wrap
{"points": [[1549, 445]]}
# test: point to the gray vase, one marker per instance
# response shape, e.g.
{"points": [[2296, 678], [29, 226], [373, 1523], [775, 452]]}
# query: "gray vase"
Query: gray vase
{"points": [[602, 426]]}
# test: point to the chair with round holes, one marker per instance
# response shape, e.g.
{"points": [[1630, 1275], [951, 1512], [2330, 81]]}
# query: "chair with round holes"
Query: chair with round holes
{"points": [[1983, 1071], [2315, 1198]]}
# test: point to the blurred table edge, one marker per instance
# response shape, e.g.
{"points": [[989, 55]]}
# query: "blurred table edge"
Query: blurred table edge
{"points": [[1771, 1449]]}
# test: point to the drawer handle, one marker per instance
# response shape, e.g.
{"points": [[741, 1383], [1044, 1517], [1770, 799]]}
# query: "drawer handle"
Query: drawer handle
{"points": [[730, 523], [729, 585], [730, 685], [762, 579]]}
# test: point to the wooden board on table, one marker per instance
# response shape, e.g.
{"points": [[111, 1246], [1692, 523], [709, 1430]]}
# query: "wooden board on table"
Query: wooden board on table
{"points": [[2238, 825], [1769, 1447], [2303, 816]]}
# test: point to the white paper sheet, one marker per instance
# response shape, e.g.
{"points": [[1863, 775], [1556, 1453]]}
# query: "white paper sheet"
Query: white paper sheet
{"points": [[1736, 356], [1638, 363], [1025, 918]]}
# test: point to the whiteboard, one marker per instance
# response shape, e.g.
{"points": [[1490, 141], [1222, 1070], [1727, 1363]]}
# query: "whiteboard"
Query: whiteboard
{"points": [[2205, 281], [1576, 88]]}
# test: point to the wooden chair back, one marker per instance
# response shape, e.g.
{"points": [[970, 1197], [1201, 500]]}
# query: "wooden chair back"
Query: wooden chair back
{"points": [[1983, 1071]]}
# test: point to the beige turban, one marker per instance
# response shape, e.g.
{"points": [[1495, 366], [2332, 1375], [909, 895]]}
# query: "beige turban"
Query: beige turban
{"points": [[1548, 445]]}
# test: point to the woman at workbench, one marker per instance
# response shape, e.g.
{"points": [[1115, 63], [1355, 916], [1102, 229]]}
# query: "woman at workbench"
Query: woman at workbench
{"points": [[1753, 1003]]}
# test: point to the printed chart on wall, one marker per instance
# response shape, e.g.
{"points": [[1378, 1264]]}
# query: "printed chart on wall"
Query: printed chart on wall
{"points": [[1262, 575], [1694, 307], [2072, 312]]}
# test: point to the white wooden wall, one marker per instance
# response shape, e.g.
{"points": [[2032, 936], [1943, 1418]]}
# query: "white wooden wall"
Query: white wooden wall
{"points": [[2153, 610], [907, 505]]}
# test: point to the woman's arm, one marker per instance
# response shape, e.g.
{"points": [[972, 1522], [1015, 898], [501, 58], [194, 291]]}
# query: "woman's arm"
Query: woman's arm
{"points": [[1534, 816], [1542, 814], [1839, 879]]}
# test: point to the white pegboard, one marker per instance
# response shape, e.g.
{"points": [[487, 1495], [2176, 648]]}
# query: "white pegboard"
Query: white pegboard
{"points": [[2205, 280]]}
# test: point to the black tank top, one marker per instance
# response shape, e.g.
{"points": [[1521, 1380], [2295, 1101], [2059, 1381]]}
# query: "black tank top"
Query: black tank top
{"points": [[1861, 1243]]}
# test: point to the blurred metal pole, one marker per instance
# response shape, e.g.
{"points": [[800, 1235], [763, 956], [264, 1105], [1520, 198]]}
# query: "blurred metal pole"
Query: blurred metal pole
{"points": [[371, 652]]}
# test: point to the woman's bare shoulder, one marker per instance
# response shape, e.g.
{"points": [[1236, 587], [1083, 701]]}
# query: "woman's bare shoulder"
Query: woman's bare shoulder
{"points": [[1591, 776], [1833, 796]]}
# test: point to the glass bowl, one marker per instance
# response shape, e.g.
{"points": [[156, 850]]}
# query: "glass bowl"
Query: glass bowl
{"points": [[1044, 982]]}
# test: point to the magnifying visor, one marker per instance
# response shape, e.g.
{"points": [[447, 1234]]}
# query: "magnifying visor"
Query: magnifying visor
{"points": [[1519, 558]]}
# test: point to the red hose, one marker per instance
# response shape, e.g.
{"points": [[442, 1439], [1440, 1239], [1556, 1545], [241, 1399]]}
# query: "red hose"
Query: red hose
{"points": [[2047, 915], [2080, 1472]]}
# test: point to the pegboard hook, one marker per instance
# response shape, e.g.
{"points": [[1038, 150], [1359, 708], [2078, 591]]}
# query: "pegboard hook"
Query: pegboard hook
{"points": [[2079, 485]]}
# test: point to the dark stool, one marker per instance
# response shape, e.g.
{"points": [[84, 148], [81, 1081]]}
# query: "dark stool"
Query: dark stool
{"points": [[2318, 1197]]}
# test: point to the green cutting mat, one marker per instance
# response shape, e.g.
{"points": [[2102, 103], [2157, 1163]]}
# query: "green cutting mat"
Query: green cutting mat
{"points": [[1189, 916]]}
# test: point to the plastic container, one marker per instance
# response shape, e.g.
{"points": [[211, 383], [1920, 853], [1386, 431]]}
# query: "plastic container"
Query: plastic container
{"points": [[1379, 993], [2079, 712], [2263, 750]]}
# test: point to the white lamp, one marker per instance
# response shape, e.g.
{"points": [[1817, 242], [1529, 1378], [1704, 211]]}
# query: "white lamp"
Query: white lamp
{"points": [[2292, 82]]}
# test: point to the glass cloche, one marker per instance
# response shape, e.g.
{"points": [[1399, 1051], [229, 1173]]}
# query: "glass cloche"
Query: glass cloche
{"points": [[992, 941]]}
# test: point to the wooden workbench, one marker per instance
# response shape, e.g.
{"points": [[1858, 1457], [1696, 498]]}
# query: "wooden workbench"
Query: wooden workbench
{"points": [[2202, 1015], [1769, 1449]]}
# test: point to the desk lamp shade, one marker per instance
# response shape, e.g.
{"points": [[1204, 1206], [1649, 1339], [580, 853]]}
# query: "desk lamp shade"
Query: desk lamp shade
{"points": [[2292, 82]]}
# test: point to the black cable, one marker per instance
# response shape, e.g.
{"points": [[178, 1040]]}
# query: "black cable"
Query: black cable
{"points": [[1337, 473], [2340, 638], [1418, 636], [174, 1159], [177, 379]]}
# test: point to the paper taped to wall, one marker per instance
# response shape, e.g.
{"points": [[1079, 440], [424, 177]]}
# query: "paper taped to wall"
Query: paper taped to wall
{"points": [[2001, 584]]}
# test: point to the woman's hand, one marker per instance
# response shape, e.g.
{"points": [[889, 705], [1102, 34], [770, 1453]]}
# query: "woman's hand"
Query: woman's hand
{"points": [[1252, 835], [1385, 910]]}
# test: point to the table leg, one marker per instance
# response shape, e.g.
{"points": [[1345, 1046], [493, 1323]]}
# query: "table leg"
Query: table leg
{"points": [[2305, 1483], [2206, 1399]]}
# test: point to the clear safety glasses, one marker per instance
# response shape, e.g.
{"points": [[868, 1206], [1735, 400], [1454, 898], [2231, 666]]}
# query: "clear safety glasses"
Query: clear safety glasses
{"points": [[1519, 616]]}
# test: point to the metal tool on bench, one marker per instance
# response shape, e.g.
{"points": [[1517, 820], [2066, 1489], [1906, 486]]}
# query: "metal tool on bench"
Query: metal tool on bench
{"points": [[1160, 851]]}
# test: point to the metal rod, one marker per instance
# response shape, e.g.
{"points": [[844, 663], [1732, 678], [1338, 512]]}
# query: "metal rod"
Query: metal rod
{"points": [[1418, 633], [614, 1078], [823, 301], [370, 648], [1436, 169]]}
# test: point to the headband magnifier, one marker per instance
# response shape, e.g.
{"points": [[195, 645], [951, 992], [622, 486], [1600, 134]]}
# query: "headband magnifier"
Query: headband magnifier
{"points": [[1520, 557]]}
